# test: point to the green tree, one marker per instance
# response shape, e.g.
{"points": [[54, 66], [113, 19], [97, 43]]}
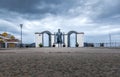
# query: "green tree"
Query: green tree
{"points": [[12, 37], [5, 34]]}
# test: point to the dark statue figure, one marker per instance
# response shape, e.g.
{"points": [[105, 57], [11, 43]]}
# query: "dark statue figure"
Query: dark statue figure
{"points": [[59, 37]]}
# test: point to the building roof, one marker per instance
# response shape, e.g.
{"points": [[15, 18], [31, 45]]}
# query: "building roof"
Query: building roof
{"points": [[8, 38], [11, 40]]}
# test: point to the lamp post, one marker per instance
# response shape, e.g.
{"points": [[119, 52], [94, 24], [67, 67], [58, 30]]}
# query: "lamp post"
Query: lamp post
{"points": [[21, 25]]}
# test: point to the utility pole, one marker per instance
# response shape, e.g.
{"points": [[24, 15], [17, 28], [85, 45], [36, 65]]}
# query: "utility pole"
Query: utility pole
{"points": [[110, 39], [21, 25]]}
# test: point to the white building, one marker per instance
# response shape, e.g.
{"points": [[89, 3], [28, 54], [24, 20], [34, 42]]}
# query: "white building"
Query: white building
{"points": [[66, 39]]}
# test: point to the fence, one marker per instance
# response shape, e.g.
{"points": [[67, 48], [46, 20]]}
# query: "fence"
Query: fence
{"points": [[112, 44]]}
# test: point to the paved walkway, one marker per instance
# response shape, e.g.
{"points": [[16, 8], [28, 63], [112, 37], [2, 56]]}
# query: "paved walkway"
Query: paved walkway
{"points": [[60, 62], [46, 50]]}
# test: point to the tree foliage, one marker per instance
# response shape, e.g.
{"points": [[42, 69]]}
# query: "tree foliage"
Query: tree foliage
{"points": [[5, 34], [12, 37]]}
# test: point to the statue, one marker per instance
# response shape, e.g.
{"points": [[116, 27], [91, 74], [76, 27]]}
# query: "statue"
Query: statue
{"points": [[59, 37]]}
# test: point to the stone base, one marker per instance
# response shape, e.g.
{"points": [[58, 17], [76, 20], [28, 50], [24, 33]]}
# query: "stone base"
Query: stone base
{"points": [[58, 45]]}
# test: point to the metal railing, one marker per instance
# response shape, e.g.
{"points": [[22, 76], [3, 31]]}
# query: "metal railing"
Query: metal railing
{"points": [[112, 44]]}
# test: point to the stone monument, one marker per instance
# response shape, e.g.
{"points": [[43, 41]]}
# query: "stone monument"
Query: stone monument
{"points": [[60, 39]]}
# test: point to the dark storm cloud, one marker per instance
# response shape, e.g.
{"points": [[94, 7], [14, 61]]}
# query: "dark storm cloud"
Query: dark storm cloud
{"points": [[102, 9], [106, 11], [29, 6], [111, 9], [22, 6], [36, 9]]}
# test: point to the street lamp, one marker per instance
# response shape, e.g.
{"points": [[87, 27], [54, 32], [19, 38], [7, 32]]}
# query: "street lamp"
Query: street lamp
{"points": [[21, 25]]}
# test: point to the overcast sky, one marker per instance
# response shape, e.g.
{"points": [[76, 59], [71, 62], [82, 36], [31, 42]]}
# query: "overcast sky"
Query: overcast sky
{"points": [[96, 18]]}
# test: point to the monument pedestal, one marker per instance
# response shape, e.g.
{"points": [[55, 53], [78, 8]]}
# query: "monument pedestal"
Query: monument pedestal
{"points": [[58, 45]]}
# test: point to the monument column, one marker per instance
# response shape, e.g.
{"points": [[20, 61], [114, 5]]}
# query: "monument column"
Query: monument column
{"points": [[63, 38], [66, 39], [38, 39], [80, 39], [52, 40]]}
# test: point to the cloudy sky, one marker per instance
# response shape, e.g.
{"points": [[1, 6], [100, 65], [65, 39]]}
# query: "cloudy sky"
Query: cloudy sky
{"points": [[96, 18]]}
